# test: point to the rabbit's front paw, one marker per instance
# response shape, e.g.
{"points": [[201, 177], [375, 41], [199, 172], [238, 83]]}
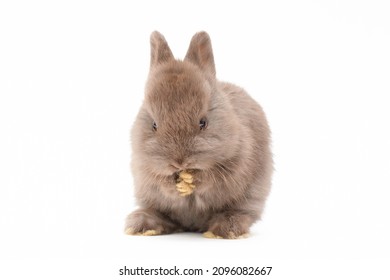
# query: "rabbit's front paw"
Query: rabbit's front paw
{"points": [[185, 184]]}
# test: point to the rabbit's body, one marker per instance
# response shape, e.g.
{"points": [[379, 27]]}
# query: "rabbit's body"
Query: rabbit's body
{"points": [[191, 121]]}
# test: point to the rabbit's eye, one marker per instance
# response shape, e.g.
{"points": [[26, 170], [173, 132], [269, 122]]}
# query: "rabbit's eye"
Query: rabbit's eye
{"points": [[203, 124], [154, 126]]}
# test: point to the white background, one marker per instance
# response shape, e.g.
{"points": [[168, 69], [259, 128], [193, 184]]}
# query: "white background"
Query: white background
{"points": [[71, 82]]}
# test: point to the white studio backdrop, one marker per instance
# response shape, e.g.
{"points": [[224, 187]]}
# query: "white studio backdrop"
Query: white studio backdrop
{"points": [[71, 82]]}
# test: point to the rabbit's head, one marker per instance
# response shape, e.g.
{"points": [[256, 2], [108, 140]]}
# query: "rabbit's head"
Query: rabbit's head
{"points": [[185, 122]]}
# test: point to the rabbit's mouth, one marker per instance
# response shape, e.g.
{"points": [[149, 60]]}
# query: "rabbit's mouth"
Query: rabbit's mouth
{"points": [[176, 175]]}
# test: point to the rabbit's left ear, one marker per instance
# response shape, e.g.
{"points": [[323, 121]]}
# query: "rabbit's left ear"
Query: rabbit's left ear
{"points": [[159, 49], [200, 53]]}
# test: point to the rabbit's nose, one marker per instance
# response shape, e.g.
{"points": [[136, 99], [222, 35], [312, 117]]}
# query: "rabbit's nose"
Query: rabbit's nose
{"points": [[179, 165]]}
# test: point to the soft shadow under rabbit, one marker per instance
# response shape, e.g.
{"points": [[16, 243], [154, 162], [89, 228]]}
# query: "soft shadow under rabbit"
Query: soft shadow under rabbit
{"points": [[209, 137]]}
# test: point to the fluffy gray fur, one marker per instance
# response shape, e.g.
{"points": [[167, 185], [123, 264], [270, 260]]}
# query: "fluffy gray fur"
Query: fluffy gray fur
{"points": [[230, 159]]}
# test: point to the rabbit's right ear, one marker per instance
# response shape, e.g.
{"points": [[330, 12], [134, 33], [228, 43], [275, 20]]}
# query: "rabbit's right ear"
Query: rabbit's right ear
{"points": [[200, 52], [159, 49]]}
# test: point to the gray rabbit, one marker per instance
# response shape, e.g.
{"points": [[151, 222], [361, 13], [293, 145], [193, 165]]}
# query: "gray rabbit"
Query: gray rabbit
{"points": [[201, 149]]}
